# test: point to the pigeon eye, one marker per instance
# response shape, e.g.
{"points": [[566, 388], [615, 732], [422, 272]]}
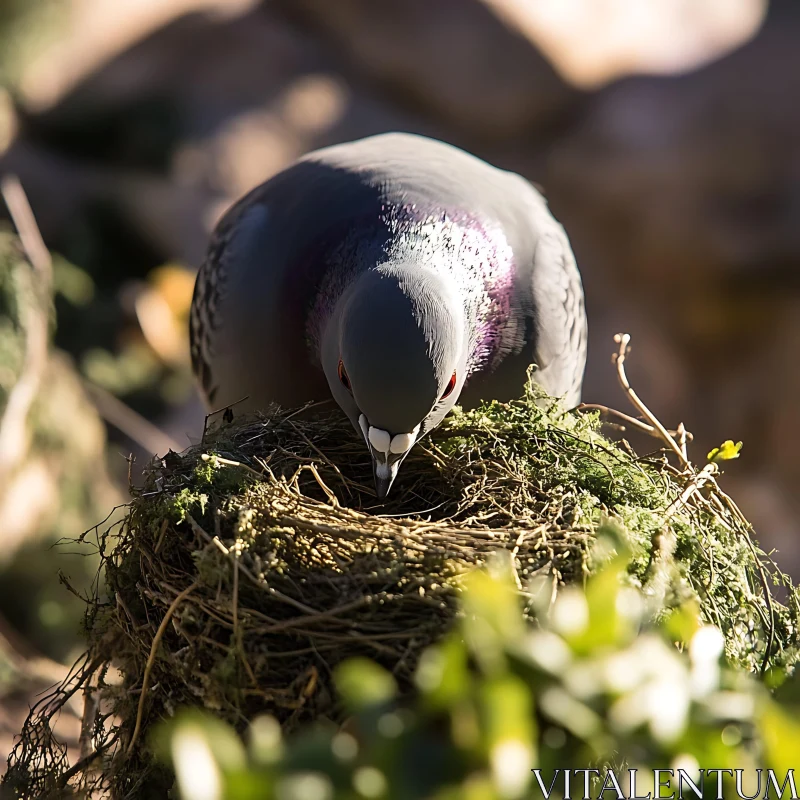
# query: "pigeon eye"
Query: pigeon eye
{"points": [[450, 386], [343, 376]]}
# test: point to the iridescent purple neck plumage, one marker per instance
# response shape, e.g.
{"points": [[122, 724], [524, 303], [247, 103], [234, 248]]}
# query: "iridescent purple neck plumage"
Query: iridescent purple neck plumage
{"points": [[455, 244]]}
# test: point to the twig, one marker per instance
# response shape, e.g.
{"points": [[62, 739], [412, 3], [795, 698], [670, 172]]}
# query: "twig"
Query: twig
{"points": [[24, 221], [84, 762], [237, 631], [228, 462], [726, 501], [161, 535], [130, 422], [707, 475], [681, 431], [151, 659], [312, 468], [695, 483], [91, 703], [325, 460], [683, 437], [35, 320], [623, 340], [218, 411]]}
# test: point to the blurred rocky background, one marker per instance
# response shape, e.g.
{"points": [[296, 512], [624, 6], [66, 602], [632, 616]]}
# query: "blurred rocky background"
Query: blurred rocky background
{"points": [[665, 134]]}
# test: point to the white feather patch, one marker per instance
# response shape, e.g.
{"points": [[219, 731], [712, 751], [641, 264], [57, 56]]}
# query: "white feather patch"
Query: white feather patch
{"points": [[403, 442], [380, 440]]}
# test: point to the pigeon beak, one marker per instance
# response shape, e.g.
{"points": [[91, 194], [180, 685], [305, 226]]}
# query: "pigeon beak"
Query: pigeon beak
{"points": [[388, 455], [385, 466], [384, 473]]}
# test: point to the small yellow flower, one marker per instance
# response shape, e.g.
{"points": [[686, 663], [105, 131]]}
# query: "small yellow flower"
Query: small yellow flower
{"points": [[725, 452]]}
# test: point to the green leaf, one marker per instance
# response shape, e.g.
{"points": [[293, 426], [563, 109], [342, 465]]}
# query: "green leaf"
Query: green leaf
{"points": [[442, 675], [780, 734], [492, 613], [726, 451], [221, 738], [203, 750], [510, 731], [611, 540], [362, 683], [477, 787], [682, 623], [74, 283], [508, 710], [607, 614], [266, 742]]}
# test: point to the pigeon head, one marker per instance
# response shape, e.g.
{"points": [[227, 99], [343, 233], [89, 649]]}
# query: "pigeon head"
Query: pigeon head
{"points": [[394, 354]]}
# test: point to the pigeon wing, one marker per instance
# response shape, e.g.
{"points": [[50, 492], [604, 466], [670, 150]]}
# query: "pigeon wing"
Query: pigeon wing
{"points": [[560, 317]]}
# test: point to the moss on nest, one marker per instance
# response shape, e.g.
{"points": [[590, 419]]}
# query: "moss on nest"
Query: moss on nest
{"points": [[252, 564]]}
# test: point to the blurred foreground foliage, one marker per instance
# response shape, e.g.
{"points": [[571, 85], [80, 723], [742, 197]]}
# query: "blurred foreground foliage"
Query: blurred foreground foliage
{"points": [[595, 683]]}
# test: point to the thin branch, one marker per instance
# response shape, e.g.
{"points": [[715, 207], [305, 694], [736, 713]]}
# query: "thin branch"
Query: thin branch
{"points": [[627, 419], [91, 705], [24, 221], [80, 765], [623, 340], [14, 434], [149, 437], [683, 438], [151, 660], [227, 462], [707, 475], [696, 483], [216, 411], [237, 630]]}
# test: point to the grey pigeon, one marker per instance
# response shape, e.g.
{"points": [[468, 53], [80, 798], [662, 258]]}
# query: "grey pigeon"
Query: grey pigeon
{"points": [[398, 274]]}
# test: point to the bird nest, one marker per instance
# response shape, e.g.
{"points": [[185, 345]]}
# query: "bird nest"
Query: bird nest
{"points": [[251, 564]]}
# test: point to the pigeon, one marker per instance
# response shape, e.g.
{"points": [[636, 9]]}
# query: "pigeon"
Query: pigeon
{"points": [[397, 274]]}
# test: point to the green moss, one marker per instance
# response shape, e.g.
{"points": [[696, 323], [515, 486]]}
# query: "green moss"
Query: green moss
{"points": [[224, 478], [186, 502]]}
